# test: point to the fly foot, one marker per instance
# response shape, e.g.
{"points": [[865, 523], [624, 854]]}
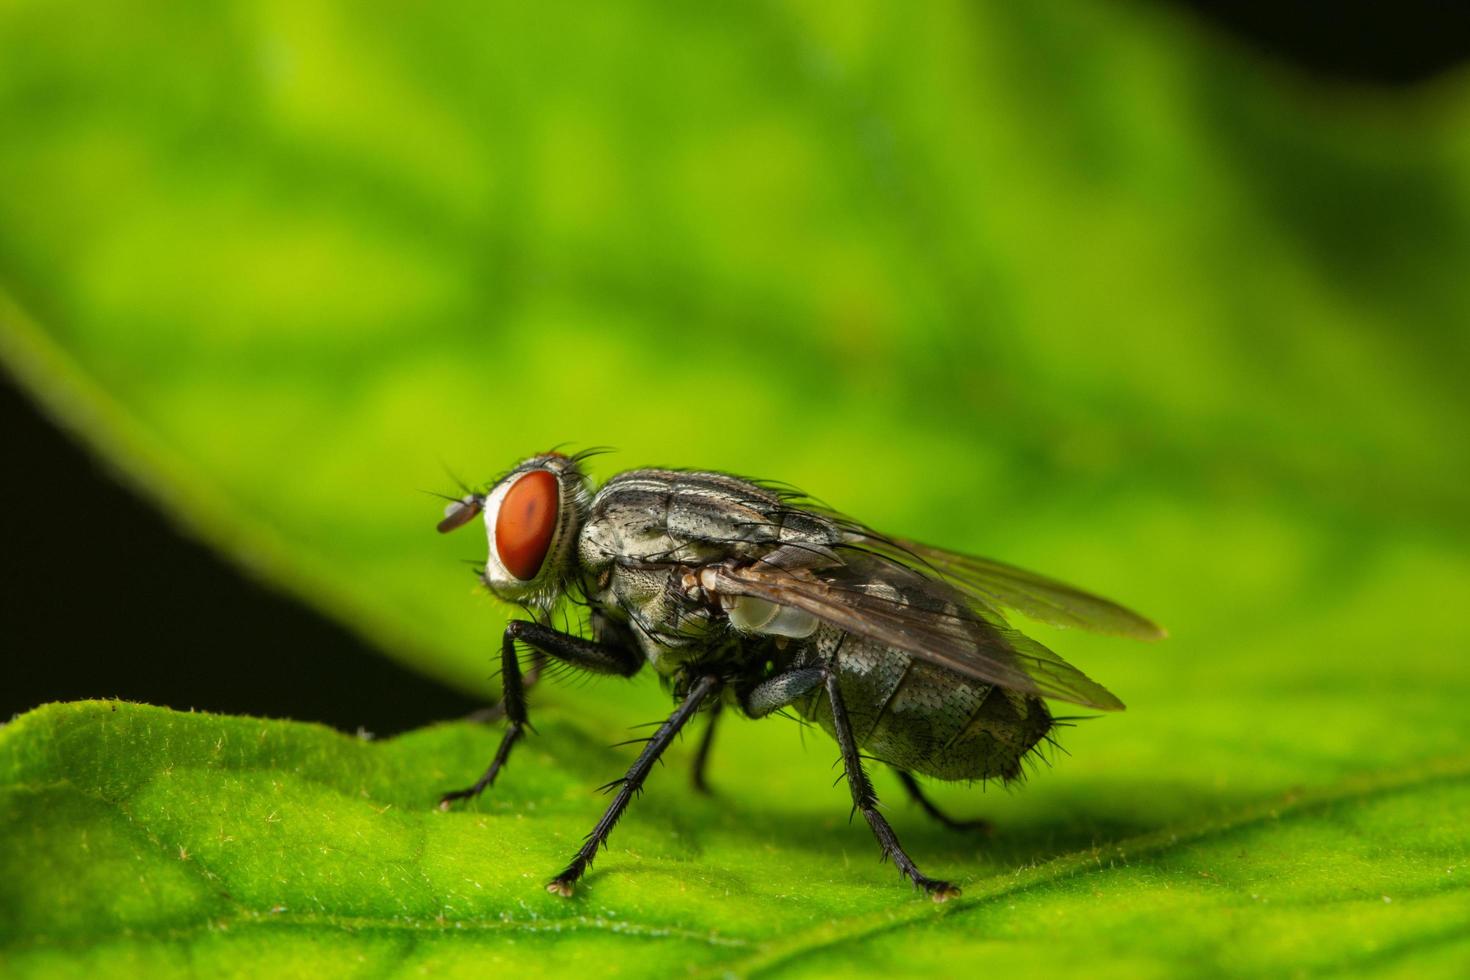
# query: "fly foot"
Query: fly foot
{"points": [[942, 891], [447, 801]]}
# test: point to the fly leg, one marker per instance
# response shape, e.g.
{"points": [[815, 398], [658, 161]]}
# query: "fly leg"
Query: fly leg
{"points": [[495, 712], [766, 697], [701, 755], [782, 690], [917, 793], [601, 658], [864, 799], [632, 783]]}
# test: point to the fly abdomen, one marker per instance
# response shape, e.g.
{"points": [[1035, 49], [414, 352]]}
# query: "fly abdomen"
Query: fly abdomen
{"points": [[926, 719]]}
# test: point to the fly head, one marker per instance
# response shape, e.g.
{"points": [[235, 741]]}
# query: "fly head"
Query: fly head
{"points": [[532, 517]]}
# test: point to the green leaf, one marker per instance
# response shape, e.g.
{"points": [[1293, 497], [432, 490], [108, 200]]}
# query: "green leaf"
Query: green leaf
{"points": [[139, 841]]}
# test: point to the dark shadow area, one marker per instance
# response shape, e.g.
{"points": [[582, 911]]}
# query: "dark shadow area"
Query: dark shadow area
{"points": [[1352, 40], [1083, 819], [101, 597]]}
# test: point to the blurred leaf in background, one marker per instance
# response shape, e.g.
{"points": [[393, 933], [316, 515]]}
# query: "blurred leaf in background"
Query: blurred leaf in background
{"points": [[1075, 285]]}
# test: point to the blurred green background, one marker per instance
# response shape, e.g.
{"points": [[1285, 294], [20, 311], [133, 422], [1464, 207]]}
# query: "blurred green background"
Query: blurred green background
{"points": [[1083, 286], [1072, 285]]}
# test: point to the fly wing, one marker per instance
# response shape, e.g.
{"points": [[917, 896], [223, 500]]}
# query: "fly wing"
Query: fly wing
{"points": [[997, 584], [876, 598]]}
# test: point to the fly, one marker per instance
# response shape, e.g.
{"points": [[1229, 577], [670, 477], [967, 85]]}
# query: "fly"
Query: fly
{"points": [[743, 594]]}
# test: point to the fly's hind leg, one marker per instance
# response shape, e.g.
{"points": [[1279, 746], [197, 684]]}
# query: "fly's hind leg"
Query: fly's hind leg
{"points": [[781, 691], [601, 658], [865, 800], [917, 793]]}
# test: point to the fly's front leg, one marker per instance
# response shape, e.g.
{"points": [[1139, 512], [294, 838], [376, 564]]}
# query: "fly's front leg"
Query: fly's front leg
{"points": [[601, 658], [865, 800], [496, 711], [630, 784]]}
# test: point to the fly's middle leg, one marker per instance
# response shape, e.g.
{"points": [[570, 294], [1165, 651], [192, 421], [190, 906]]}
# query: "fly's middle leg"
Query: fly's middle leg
{"points": [[601, 658], [701, 755], [865, 799], [564, 883]]}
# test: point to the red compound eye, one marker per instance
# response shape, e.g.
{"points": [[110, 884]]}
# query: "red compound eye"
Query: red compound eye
{"points": [[526, 522]]}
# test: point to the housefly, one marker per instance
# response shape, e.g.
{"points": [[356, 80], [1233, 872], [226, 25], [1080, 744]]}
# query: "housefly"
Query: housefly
{"points": [[744, 594]]}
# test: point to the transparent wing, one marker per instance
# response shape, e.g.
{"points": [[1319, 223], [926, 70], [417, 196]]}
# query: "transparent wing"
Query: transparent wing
{"points": [[874, 597], [997, 584]]}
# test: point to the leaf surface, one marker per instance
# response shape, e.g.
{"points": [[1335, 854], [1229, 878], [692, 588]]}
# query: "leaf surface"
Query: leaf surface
{"points": [[139, 840]]}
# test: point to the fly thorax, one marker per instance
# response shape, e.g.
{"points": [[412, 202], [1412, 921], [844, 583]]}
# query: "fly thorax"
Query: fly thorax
{"points": [[666, 660], [658, 609]]}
